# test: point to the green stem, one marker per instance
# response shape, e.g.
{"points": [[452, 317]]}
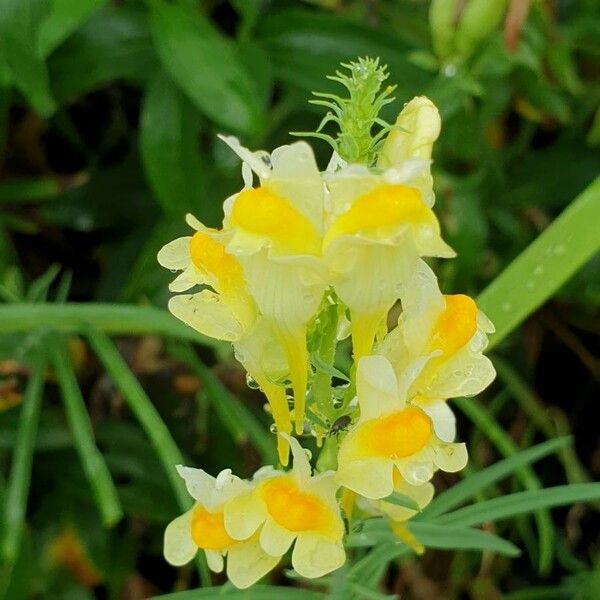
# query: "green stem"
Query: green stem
{"points": [[95, 468], [20, 474]]}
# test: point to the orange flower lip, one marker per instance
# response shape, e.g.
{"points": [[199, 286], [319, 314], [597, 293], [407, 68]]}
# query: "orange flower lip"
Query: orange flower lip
{"points": [[208, 530]]}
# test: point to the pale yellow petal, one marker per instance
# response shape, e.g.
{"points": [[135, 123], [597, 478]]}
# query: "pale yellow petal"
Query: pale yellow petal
{"points": [[243, 515], [247, 563], [443, 419], [199, 483], [274, 539], [179, 548], [415, 471], [376, 387], [371, 477], [208, 314], [214, 560], [258, 161], [186, 280], [176, 254], [450, 457], [301, 469], [315, 556]]}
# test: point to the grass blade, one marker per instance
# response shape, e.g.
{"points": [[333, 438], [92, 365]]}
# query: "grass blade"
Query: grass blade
{"points": [[480, 417], [544, 265], [95, 468], [477, 482], [256, 592], [20, 475], [156, 430], [73, 317], [240, 421], [521, 503]]}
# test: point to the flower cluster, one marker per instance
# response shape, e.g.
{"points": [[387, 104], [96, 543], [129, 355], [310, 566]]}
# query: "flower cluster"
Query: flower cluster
{"points": [[303, 259]]}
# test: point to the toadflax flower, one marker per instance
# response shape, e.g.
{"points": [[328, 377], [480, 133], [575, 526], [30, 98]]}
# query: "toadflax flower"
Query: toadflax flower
{"points": [[391, 435], [202, 528], [294, 507], [381, 222], [275, 232], [437, 347], [225, 310]]}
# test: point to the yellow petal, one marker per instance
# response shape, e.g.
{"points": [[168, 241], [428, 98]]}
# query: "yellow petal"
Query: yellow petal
{"points": [[214, 560], [199, 483], [294, 344], [175, 255], [402, 532], [451, 457], [275, 540], [371, 477], [315, 556], [179, 548], [376, 387], [247, 563], [243, 515]]}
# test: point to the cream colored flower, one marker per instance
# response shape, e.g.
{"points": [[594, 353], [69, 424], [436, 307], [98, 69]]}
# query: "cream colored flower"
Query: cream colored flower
{"points": [[380, 222], [202, 527], [437, 348], [275, 231], [292, 507], [225, 310], [391, 435]]}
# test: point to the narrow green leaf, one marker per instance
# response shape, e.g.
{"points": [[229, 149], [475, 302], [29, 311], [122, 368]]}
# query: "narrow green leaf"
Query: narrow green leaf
{"points": [[169, 146], [256, 592], [369, 569], [29, 190], [545, 265], [62, 19], [521, 503], [240, 421], [205, 67], [402, 500], [481, 417], [145, 412], [111, 318], [432, 535], [15, 500], [477, 482], [92, 461]]}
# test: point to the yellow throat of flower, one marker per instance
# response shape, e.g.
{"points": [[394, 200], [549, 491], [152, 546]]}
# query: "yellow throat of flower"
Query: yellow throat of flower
{"points": [[262, 212], [455, 326], [210, 256], [208, 530], [294, 509], [398, 435], [383, 208]]}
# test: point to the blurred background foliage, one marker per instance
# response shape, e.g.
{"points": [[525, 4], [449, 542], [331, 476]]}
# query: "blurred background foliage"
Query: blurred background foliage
{"points": [[109, 112]]}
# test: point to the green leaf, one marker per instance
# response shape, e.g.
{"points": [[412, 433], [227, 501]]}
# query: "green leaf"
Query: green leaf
{"points": [[15, 500], [27, 69], [521, 503], [477, 482], [205, 67], [402, 500], [240, 421], [256, 592], [72, 317], [545, 265], [62, 19], [114, 43], [169, 146], [95, 468]]}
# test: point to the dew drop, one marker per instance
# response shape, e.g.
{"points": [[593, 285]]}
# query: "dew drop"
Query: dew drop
{"points": [[273, 428], [559, 249], [538, 270], [251, 382]]}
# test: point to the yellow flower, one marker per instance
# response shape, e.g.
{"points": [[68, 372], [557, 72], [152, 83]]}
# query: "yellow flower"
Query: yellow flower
{"points": [[275, 231], [436, 350], [391, 435], [381, 222], [226, 311], [202, 527], [293, 506]]}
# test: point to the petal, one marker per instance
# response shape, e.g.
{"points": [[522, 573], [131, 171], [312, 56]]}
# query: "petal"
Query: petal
{"points": [[243, 515], [187, 279], [208, 314], [444, 420], [258, 161], [371, 477], [376, 387], [415, 471], [214, 560], [301, 469], [450, 457], [274, 539], [315, 556], [247, 563], [199, 483], [179, 548], [176, 254]]}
